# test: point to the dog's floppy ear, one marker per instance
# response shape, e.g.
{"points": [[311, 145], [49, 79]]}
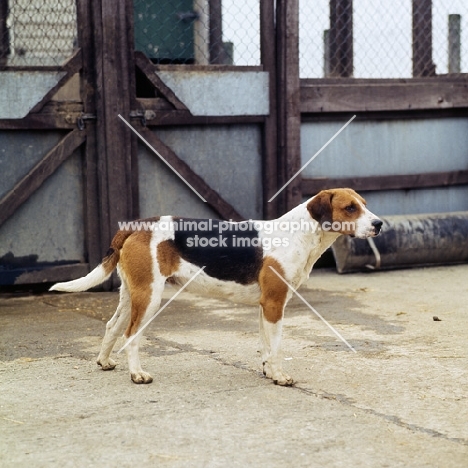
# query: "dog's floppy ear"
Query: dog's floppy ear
{"points": [[320, 207]]}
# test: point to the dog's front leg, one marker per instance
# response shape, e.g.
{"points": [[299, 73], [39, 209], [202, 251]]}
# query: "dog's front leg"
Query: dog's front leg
{"points": [[270, 338]]}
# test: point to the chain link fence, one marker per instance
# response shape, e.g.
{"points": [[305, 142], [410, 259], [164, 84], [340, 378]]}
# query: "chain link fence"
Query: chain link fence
{"points": [[198, 31], [37, 32], [338, 38], [382, 39]]}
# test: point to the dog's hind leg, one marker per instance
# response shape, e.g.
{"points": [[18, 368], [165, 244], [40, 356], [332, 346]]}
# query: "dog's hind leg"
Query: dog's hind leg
{"points": [[143, 310], [114, 329]]}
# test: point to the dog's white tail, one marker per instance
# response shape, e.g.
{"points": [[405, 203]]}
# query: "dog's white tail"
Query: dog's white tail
{"points": [[101, 273], [92, 279]]}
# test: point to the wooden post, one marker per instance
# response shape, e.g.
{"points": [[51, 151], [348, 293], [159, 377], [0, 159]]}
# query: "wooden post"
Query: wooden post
{"points": [[110, 90], [217, 55], [326, 53], [422, 38], [270, 135], [4, 36], [341, 38], [454, 43], [201, 32], [288, 102], [93, 226]]}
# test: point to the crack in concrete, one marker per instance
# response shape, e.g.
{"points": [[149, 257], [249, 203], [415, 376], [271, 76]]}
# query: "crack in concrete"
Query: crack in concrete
{"points": [[343, 399], [388, 417]]}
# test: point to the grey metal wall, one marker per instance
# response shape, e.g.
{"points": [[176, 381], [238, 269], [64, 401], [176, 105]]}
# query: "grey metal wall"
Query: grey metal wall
{"points": [[393, 147], [48, 226], [227, 157]]}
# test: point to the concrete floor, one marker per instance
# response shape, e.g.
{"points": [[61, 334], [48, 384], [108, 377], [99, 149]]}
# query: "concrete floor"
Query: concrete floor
{"points": [[400, 401]]}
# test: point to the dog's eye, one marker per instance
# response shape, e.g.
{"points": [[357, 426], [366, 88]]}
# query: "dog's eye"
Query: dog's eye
{"points": [[350, 208]]}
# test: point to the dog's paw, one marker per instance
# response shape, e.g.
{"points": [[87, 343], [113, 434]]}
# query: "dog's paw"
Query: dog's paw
{"points": [[277, 375], [283, 379], [108, 364], [141, 377]]}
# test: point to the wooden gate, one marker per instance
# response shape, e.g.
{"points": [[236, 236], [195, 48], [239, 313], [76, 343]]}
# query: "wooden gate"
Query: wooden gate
{"points": [[87, 128], [71, 170]]}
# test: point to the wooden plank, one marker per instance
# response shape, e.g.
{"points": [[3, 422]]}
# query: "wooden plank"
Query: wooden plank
{"points": [[92, 222], [208, 68], [156, 116], [146, 66], [54, 115], [311, 186], [53, 274], [422, 38], [113, 65], [154, 104], [97, 85], [388, 95], [134, 173], [270, 134], [23, 189], [221, 206], [71, 67], [288, 102]]}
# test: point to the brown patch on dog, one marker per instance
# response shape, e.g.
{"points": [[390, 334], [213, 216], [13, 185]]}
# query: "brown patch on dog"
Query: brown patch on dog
{"points": [[342, 206], [137, 270], [168, 258], [109, 262], [274, 290]]}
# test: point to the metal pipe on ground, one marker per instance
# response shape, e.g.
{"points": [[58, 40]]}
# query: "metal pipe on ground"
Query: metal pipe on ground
{"points": [[407, 241]]}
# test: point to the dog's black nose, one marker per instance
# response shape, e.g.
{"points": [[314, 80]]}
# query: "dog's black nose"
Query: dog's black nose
{"points": [[377, 225]]}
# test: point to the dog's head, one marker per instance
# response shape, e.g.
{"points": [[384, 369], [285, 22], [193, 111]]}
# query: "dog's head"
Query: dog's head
{"points": [[344, 211]]}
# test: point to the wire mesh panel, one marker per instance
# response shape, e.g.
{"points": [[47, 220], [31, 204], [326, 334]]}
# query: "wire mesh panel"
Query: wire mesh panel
{"points": [[381, 39], [37, 32], [198, 31]]}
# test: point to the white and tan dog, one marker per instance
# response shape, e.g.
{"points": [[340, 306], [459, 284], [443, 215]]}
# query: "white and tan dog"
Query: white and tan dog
{"points": [[248, 262]]}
